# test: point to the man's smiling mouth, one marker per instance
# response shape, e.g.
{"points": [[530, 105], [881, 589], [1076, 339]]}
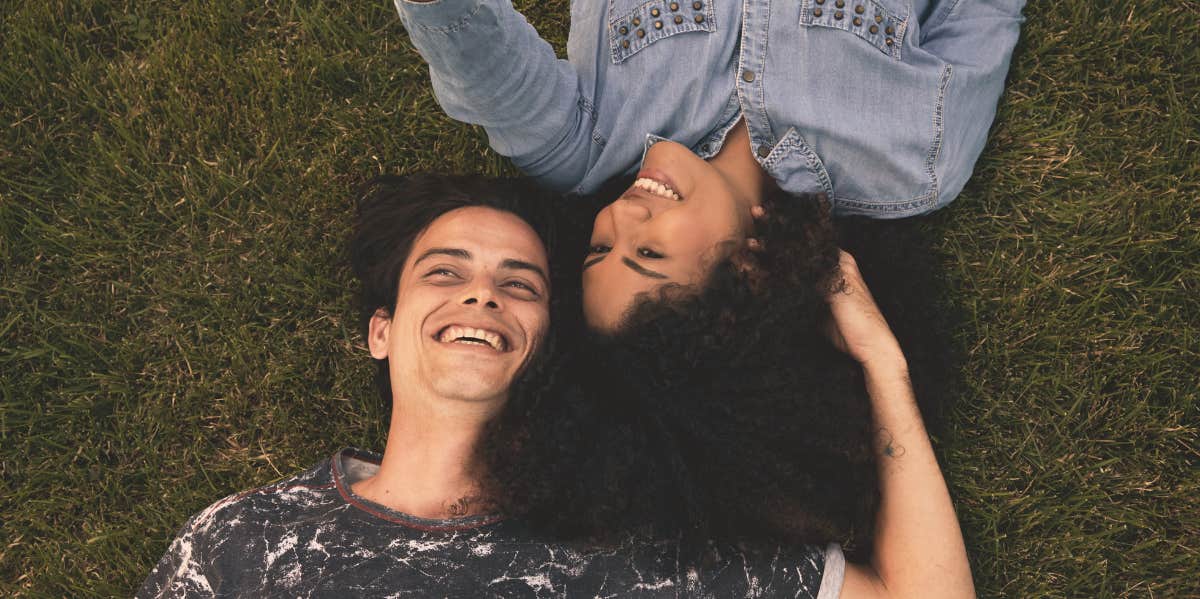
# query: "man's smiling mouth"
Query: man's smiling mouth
{"points": [[472, 336]]}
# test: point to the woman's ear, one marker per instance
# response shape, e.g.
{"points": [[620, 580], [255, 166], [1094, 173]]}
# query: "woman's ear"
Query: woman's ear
{"points": [[377, 334], [747, 263]]}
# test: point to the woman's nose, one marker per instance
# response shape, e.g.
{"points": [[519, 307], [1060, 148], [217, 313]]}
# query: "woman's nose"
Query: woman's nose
{"points": [[624, 209]]}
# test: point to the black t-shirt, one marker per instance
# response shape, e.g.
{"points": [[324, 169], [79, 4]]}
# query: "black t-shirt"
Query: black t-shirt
{"points": [[311, 536]]}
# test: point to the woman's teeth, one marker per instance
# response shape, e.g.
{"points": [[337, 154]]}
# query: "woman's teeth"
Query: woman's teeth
{"points": [[457, 334], [656, 188]]}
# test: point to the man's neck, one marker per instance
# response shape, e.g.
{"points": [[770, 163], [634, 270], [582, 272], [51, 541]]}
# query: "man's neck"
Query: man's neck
{"points": [[429, 467]]}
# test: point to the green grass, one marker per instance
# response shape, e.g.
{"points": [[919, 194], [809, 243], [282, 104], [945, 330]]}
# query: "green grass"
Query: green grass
{"points": [[174, 306]]}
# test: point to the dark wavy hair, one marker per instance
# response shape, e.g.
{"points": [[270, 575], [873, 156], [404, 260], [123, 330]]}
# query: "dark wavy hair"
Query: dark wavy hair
{"points": [[392, 210], [721, 411]]}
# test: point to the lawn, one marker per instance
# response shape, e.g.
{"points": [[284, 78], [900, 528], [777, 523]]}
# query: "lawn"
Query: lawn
{"points": [[175, 318]]}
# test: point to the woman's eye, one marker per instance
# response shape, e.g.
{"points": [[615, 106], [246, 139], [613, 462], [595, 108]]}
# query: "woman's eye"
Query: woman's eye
{"points": [[598, 249], [442, 272], [649, 254]]}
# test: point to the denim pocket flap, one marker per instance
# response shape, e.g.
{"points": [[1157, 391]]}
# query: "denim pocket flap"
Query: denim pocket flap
{"points": [[635, 25], [880, 25]]}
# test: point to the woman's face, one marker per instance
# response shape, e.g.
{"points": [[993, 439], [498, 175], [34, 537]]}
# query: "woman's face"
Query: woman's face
{"points": [[663, 230]]}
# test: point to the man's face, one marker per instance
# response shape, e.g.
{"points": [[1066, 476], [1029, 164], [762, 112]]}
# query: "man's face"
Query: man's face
{"points": [[663, 229], [471, 310]]}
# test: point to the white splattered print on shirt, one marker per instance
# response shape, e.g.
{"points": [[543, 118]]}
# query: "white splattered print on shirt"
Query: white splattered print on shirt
{"points": [[311, 536]]}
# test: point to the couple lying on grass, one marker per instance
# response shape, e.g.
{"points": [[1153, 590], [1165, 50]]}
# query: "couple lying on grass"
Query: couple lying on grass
{"points": [[724, 401], [718, 443]]}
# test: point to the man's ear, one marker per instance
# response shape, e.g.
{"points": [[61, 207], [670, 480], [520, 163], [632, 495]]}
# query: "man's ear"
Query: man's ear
{"points": [[377, 334]]}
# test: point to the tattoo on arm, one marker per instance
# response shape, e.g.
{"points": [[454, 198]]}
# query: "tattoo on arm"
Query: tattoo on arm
{"points": [[887, 445]]}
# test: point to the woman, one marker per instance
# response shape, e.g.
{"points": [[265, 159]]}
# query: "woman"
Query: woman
{"points": [[881, 105], [725, 413]]}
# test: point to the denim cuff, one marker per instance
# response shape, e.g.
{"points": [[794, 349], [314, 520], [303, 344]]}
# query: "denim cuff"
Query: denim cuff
{"points": [[437, 15]]}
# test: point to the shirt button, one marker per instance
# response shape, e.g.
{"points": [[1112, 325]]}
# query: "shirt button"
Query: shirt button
{"points": [[658, 24], [878, 18], [764, 151], [858, 9], [697, 5], [624, 30], [857, 21], [820, 1], [624, 43], [748, 76], [838, 15], [636, 21], [889, 30], [678, 19], [817, 11], [641, 33], [873, 29], [840, 3], [674, 6], [888, 41], [699, 18], [654, 12]]}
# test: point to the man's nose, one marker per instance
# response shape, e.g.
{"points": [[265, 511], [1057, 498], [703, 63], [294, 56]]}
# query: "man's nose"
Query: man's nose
{"points": [[483, 294]]}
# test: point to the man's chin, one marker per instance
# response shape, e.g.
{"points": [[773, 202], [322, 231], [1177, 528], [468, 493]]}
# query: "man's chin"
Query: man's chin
{"points": [[468, 383]]}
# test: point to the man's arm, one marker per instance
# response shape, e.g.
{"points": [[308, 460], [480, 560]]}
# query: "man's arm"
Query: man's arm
{"points": [[919, 549], [181, 570], [489, 67]]}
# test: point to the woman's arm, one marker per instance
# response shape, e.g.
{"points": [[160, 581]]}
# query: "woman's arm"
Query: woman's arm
{"points": [[919, 549], [976, 39], [490, 67]]}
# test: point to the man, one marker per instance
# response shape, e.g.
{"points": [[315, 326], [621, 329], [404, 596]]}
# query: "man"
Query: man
{"points": [[457, 290]]}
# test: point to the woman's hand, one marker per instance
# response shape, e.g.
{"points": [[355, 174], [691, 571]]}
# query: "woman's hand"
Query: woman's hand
{"points": [[857, 326]]}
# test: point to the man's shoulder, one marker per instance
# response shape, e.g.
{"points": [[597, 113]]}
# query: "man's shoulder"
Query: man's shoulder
{"points": [[271, 502]]}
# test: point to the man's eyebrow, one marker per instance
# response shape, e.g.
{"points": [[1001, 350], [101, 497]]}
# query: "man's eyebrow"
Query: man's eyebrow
{"points": [[523, 265], [641, 270], [452, 252]]}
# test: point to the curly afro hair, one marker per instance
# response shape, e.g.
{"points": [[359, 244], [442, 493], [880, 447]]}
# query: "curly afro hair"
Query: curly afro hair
{"points": [[718, 412], [721, 412]]}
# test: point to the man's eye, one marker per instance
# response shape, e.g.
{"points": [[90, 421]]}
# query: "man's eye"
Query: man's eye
{"points": [[442, 272], [598, 249], [649, 254], [525, 288]]}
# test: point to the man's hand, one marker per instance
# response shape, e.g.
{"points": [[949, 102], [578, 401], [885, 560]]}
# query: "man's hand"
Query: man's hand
{"points": [[857, 326]]}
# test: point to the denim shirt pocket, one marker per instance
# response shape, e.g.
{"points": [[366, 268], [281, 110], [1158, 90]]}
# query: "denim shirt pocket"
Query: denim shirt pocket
{"points": [[635, 24], [881, 23]]}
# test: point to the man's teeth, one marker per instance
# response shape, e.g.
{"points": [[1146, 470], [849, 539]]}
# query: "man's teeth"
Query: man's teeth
{"points": [[457, 334], [656, 188]]}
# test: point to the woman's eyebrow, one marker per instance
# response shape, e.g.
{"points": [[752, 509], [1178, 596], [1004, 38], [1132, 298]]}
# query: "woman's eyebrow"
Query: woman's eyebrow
{"points": [[589, 263], [642, 270]]}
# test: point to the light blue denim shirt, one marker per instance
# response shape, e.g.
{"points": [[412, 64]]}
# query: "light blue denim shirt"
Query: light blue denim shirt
{"points": [[883, 105]]}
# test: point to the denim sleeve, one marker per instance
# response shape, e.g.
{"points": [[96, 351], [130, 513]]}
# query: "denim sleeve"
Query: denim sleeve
{"points": [[489, 67], [976, 37]]}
